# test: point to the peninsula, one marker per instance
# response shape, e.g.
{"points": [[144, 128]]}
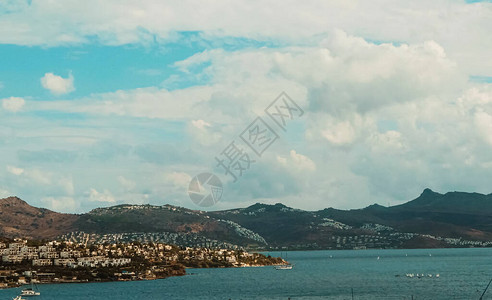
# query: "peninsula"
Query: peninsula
{"points": [[24, 261]]}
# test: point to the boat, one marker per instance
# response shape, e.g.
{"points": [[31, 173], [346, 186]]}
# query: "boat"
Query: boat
{"points": [[284, 267], [29, 292], [18, 298]]}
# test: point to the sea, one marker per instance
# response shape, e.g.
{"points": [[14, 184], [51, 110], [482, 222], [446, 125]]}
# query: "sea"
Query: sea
{"points": [[341, 274]]}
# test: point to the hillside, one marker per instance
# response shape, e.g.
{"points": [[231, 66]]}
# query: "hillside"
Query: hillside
{"points": [[19, 219], [453, 215], [167, 218], [453, 219]]}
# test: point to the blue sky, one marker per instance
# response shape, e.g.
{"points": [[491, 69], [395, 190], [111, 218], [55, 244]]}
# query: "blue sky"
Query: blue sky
{"points": [[118, 102]]}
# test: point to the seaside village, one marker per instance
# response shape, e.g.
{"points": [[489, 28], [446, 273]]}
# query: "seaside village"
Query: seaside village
{"points": [[26, 262]]}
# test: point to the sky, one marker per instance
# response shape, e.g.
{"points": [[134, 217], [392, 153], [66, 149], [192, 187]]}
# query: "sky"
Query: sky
{"points": [[117, 101]]}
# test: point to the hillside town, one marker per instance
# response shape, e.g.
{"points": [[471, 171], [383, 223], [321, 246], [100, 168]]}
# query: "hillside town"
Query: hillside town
{"points": [[24, 261], [174, 238]]}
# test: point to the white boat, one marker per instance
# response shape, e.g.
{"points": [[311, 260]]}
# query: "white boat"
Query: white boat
{"points": [[284, 267], [29, 292], [18, 298]]}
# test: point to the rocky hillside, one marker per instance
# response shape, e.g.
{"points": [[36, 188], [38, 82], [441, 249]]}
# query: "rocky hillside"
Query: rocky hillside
{"points": [[19, 219]]}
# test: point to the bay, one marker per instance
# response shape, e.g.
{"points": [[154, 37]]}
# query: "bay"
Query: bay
{"points": [[463, 274]]}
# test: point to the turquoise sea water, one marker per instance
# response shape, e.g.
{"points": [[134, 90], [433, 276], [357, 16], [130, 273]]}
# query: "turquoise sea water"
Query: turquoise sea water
{"points": [[464, 274]]}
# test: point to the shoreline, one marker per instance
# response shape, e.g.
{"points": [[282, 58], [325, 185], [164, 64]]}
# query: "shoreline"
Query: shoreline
{"points": [[185, 268], [136, 280]]}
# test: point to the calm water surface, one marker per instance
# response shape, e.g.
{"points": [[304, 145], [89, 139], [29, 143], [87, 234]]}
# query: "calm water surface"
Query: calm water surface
{"points": [[464, 274]]}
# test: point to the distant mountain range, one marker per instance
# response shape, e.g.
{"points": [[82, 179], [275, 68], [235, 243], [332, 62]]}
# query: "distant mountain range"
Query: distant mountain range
{"points": [[453, 219]]}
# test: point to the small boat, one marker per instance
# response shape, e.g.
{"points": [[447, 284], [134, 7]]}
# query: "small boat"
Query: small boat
{"points": [[284, 267], [18, 298], [29, 292]]}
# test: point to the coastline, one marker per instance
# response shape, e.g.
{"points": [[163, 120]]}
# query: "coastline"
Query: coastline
{"points": [[25, 262], [62, 281]]}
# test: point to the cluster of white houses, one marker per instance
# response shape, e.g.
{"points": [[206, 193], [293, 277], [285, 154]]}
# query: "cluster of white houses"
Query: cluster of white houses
{"points": [[47, 255]]}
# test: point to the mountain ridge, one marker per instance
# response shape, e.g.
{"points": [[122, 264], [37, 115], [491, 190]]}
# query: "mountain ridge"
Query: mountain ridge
{"points": [[453, 215]]}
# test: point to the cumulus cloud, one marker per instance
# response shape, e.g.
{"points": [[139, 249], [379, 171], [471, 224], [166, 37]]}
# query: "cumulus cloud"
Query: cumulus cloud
{"points": [[200, 124], [339, 134], [104, 196], [297, 162], [126, 22], [61, 204], [13, 104], [336, 155], [347, 86], [204, 133], [15, 170], [58, 85]]}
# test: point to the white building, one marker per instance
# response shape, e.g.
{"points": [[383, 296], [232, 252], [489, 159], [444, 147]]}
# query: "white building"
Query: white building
{"points": [[64, 261], [49, 255], [12, 258], [42, 262], [46, 249]]}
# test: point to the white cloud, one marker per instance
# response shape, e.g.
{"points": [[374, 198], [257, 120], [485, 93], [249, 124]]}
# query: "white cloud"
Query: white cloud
{"points": [[58, 85], [13, 104], [105, 196], [440, 137], [126, 22], [339, 134], [61, 204], [297, 162], [14, 170], [178, 179], [200, 124], [204, 133], [346, 86]]}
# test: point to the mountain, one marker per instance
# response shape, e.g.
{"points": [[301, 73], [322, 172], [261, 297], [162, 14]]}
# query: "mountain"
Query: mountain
{"points": [[169, 219], [19, 219], [470, 203], [453, 219]]}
